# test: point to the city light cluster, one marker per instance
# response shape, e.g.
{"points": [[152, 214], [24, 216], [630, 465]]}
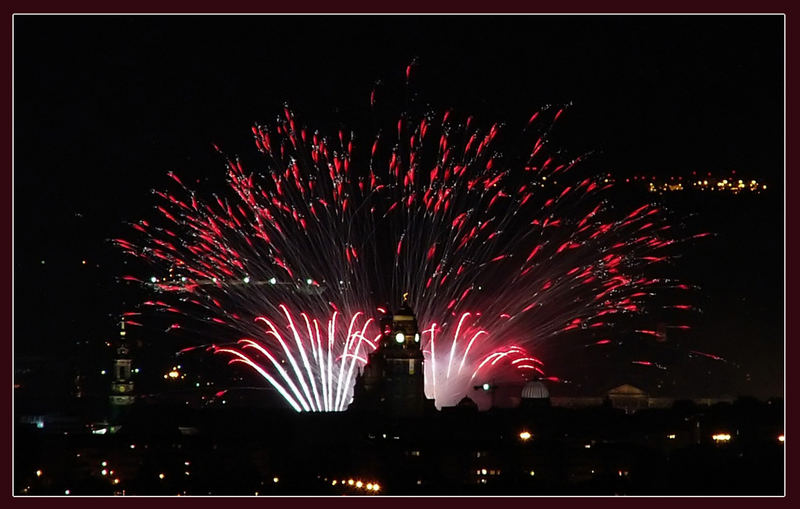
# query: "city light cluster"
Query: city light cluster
{"points": [[357, 484], [108, 472], [728, 185], [174, 374], [484, 472], [489, 471]]}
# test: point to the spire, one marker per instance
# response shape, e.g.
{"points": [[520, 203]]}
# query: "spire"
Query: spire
{"points": [[405, 307], [122, 347]]}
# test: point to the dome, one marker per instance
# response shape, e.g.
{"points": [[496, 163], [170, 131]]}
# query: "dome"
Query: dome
{"points": [[535, 390], [466, 402], [627, 390]]}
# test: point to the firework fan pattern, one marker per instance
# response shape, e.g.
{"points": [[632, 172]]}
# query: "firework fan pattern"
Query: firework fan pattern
{"points": [[501, 245]]}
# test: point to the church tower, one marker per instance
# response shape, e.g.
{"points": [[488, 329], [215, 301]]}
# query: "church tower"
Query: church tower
{"points": [[393, 380], [121, 397]]}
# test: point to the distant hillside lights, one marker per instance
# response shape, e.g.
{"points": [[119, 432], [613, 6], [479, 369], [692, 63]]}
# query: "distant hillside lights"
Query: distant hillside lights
{"points": [[731, 185], [734, 186]]}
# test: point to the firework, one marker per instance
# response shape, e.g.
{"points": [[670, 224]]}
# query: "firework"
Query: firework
{"points": [[500, 243], [322, 364]]}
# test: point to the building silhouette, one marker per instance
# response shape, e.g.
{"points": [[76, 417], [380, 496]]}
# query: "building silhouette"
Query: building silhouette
{"points": [[392, 383]]}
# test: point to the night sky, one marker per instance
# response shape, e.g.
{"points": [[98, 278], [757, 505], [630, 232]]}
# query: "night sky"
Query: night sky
{"points": [[105, 106]]}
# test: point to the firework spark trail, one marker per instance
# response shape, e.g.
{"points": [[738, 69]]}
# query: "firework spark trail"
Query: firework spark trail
{"points": [[515, 246], [240, 357], [301, 398]]}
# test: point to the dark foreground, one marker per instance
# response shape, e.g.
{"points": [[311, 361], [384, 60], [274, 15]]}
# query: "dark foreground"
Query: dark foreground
{"points": [[243, 451]]}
